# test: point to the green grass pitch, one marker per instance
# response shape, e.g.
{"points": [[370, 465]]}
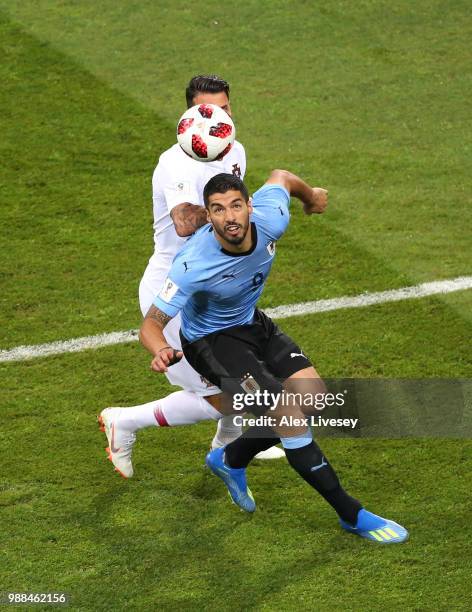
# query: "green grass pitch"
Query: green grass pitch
{"points": [[372, 100]]}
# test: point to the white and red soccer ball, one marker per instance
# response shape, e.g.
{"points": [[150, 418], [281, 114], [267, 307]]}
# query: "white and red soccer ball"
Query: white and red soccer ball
{"points": [[206, 132]]}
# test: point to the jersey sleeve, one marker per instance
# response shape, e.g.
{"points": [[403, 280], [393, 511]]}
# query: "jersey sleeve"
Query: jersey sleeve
{"points": [[175, 292], [271, 206], [175, 184], [242, 161]]}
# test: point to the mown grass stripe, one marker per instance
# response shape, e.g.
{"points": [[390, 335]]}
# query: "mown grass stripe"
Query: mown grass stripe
{"points": [[22, 353]]}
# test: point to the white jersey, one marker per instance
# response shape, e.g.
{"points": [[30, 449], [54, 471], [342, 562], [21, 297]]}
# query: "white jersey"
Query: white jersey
{"points": [[178, 178]]}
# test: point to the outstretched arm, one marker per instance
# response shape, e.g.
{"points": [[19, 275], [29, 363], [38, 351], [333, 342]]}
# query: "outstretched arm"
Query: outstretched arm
{"points": [[187, 218], [152, 338], [314, 199]]}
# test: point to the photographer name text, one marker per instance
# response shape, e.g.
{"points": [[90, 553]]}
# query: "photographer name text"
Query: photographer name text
{"points": [[290, 421]]}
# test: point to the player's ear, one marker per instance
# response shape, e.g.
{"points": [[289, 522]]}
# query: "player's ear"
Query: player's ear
{"points": [[249, 205], [208, 215]]}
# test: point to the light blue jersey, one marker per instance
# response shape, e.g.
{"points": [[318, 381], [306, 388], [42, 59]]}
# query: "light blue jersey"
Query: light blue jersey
{"points": [[216, 289]]}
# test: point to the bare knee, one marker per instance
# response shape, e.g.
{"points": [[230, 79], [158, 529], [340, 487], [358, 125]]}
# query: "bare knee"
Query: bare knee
{"points": [[308, 389]]}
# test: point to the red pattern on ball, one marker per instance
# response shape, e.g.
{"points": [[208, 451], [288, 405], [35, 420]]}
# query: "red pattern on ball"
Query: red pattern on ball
{"points": [[184, 125], [221, 130], [205, 111], [226, 150], [198, 146]]}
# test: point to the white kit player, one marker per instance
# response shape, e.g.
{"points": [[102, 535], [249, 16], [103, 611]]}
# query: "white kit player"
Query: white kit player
{"points": [[177, 191]]}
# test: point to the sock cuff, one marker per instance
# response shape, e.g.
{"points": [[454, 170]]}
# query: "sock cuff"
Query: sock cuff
{"points": [[297, 441]]}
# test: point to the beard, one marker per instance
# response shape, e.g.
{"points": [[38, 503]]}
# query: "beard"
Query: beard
{"points": [[221, 231]]}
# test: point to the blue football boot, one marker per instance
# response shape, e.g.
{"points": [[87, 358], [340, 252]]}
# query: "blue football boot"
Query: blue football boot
{"points": [[234, 479], [376, 528]]}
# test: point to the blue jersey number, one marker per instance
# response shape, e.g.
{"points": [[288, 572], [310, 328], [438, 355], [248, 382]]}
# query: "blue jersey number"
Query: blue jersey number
{"points": [[257, 280]]}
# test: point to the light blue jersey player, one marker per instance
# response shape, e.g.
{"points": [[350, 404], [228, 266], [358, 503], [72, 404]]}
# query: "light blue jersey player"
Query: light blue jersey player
{"points": [[216, 288], [215, 281]]}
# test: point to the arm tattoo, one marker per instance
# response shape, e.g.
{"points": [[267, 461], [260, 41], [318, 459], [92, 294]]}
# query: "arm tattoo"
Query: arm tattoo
{"points": [[188, 218], [157, 315]]}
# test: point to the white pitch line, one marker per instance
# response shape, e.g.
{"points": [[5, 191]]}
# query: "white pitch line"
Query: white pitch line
{"points": [[368, 299], [75, 345], [22, 353]]}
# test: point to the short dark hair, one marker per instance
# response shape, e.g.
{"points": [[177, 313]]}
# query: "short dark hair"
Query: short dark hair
{"points": [[221, 183], [205, 83]]}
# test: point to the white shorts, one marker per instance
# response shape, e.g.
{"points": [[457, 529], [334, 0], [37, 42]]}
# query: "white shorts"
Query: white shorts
{"points": [[181, 374]]}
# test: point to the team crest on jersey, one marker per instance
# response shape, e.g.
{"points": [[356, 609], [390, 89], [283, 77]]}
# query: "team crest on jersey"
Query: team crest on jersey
{"points": [[182, 186], [271, 247], [237, 170], [168, 290]]}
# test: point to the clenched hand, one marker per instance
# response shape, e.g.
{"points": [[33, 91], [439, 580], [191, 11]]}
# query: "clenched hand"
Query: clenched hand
{"points": [[318, 203]]}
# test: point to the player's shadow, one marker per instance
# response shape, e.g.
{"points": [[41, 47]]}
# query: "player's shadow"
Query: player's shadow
{"points": [[207, 487], [207, 551], [104, 502], [165, 526]]}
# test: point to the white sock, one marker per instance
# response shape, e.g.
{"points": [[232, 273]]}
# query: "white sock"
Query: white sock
{"points": [[185, 408], [226, 432], [178, 408]]}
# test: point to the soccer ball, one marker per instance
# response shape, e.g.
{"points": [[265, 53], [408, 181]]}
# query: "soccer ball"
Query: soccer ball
{"points": [[206, 132]]}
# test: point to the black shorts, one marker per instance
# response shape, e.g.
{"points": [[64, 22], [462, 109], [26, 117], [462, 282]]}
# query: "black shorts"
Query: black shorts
{"points": [[246, 358]]}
